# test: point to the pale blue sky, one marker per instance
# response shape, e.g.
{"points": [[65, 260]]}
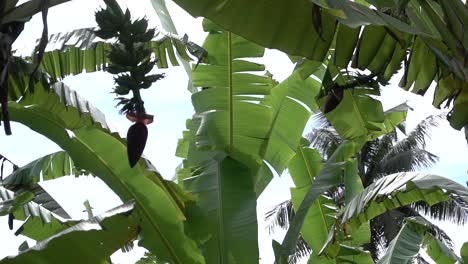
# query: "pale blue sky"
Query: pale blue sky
{"points": [[169, 101]]}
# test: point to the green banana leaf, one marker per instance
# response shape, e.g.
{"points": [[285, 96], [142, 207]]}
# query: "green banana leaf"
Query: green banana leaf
{"points": [[81, 50], [398, 190], [394, 191], [91, 241], [414, 235], [246, 114], [60, 114]]}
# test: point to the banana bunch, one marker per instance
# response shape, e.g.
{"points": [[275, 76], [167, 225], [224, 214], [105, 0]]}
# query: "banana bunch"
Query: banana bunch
{"points": [[130, 60]]}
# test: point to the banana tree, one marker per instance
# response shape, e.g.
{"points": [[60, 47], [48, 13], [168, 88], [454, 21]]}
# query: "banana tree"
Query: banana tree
{"points": [[246, 127]]}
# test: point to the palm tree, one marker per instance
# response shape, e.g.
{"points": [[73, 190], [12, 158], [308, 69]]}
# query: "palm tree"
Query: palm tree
{"points": [[380, 157]]}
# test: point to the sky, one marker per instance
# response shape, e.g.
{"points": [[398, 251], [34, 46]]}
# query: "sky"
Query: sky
{"points": [[170, 102]]}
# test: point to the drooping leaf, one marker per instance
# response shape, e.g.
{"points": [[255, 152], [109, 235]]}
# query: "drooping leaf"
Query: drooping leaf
{"points": [[93, 241], [39, 223], [398, 190], [413, 236]]}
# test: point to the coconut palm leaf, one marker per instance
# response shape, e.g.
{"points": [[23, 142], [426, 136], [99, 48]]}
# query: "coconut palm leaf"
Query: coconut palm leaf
{"points": [[326, 140], [280, 216], [454, 210]]}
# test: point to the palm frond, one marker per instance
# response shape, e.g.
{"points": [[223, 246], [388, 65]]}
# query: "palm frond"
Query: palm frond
{"points": [[320, 120], [280, 216], [418, 136], [454, 210], [301, 251], [372, 156], [440, 235], [408, 160], [325, 140]]}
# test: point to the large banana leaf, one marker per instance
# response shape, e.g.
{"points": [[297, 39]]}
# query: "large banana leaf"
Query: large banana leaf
{"points": [[430, 30], [247, 116], [91, 241], [294, 97], [63, 116], [329, 176], [223, 123], [413, 236], [244, 113], [81, 50]]}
